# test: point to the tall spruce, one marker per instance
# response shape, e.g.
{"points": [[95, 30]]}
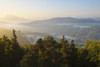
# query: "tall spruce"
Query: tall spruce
{"points": [[15, 37], [72, 54], [64, 51]]}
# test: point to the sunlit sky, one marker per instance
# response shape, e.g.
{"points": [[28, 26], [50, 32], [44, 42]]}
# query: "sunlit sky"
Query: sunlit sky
{"points": [[50, 8]]}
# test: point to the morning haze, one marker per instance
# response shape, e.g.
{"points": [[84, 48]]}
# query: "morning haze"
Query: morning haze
{"points": [[42, 9], [49, 33]]}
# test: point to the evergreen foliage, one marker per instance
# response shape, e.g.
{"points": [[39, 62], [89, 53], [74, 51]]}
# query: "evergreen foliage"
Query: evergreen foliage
{"points": [[48, 52]]}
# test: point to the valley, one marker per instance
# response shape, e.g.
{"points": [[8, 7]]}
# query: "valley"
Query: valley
{"points": [[80, 30]]}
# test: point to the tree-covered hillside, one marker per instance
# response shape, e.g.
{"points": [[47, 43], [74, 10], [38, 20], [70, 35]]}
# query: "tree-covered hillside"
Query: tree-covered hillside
{"points": [[82, 35], [48, 52], [22, 40]]}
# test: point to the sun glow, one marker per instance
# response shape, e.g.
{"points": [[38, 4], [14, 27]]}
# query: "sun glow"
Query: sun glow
{"points": [[43, 9]]}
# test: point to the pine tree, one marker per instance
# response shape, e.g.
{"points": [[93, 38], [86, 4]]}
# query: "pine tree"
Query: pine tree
{"points": [[16, 52], [15, 37], [72, 54], [64, 51]]}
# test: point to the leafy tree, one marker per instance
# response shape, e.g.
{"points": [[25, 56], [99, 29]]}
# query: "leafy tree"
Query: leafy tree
{"points": [[94, 52]]}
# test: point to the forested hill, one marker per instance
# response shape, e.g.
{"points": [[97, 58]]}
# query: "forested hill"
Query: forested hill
{"points": [[48, 52], [63, 20], [84, 34], [22, 40]]}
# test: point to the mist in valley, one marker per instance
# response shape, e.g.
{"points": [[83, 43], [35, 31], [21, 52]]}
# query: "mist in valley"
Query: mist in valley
{"points": [[72, 28]]}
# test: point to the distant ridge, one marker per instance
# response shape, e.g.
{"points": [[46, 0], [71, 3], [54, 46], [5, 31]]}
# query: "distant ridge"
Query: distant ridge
{"points": [[13, 19], [63, 20]]}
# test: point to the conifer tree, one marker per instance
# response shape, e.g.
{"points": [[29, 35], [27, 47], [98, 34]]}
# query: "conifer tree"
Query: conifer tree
{"points": [[64, 51], [72, 54]]}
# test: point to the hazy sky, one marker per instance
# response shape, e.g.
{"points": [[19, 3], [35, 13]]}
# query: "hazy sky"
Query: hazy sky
{"points": [[50, 8]]}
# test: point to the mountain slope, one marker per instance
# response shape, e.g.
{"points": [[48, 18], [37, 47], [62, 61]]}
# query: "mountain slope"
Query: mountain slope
{"points": [[13, 19], [63, 20]]}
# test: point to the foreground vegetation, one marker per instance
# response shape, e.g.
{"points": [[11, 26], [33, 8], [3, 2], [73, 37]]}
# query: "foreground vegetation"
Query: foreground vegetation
{"points": [[48, 53]]}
